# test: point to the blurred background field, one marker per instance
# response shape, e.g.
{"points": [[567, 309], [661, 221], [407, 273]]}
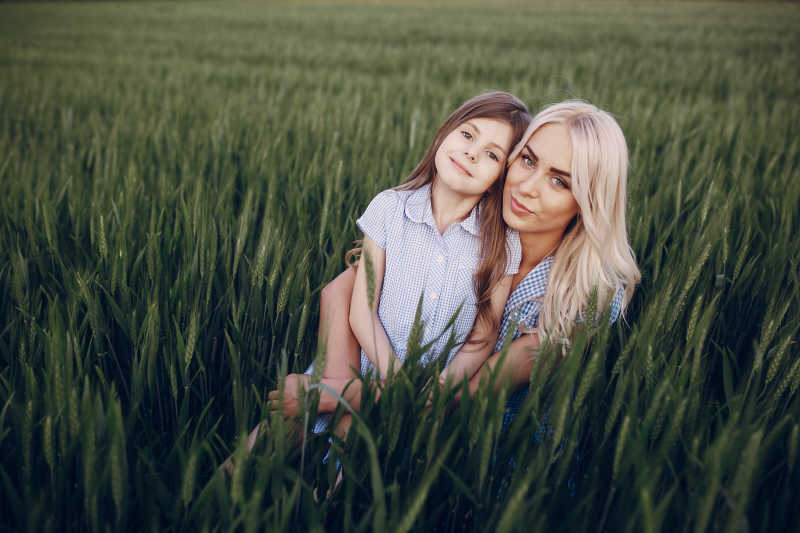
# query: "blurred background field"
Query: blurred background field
{"points": [[179, 180]]}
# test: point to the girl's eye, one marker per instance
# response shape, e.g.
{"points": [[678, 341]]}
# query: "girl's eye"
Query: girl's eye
{"points": [[558, 182], [466, 134], [494, 156], [527, 161]]}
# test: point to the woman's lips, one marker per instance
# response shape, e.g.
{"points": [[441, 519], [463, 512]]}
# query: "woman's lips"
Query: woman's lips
{"points": [[459, 167], [519, 209]]}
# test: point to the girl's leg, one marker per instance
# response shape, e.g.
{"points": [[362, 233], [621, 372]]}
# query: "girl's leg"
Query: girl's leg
{"points": [[341, 348], [342, 352], [293, 439]]}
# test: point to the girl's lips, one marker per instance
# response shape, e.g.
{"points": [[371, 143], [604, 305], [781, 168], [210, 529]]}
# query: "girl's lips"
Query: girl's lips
{"points": [[519, 209], [459, 167]]}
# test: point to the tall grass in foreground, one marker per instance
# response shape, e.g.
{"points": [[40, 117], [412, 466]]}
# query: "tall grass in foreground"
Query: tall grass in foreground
{"points": [[178, 182]]}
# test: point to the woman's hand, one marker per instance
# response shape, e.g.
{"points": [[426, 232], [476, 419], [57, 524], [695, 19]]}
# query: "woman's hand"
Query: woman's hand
{"points": [[288, 405], [516, 368]]}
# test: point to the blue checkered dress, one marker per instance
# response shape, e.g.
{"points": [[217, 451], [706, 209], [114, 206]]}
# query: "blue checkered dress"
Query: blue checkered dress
{"points": [[524, 304]]}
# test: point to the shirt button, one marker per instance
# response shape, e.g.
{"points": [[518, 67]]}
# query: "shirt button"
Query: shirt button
{"points": [[427, 330], [440, 259], [433, 295]]}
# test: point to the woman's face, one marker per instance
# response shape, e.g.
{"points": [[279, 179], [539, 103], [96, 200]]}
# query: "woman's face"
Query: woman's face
{"points": [[472, 156], [537, 198]]}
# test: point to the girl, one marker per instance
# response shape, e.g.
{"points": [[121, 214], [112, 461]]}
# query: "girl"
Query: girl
{"points": [[438, 237]]}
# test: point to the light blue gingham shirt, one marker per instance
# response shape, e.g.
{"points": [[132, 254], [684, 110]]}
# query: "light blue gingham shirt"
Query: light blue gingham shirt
{"points": [[524, 303], [422, 262]]}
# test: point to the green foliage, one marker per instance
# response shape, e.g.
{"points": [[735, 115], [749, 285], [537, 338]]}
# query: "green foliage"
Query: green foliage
{"points": [[177, 181]]}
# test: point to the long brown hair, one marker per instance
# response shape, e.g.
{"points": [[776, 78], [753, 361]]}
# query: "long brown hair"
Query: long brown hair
{"points": [[492, 265]]}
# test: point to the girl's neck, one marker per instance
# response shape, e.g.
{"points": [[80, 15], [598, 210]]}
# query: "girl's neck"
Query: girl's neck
{"points": [[448, 206]]}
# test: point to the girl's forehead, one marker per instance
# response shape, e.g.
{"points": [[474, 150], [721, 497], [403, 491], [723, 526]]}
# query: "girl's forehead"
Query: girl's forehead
{"points": [[478, 121], [492, 128]]}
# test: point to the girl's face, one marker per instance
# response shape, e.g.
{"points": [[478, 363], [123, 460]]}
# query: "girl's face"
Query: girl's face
{"points": [[537, 198], [472, 156]]}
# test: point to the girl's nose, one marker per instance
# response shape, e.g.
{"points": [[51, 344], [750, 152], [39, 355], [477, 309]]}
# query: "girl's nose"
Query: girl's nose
{"points": [[470, 153]]}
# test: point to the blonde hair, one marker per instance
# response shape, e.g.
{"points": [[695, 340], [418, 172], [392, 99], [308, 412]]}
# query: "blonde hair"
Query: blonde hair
{"points": [[594, 253]]}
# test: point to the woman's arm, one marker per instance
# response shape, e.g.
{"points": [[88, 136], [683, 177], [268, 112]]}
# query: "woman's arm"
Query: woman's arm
{"points": [[481, 341], [364, 320], [516, 369]]}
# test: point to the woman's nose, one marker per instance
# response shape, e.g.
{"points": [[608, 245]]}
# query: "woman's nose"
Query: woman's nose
{"points": [[470, 153], [530, 185]]}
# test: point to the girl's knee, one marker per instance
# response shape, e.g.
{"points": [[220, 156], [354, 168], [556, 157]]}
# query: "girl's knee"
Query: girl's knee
{"points": [[338, 291]]}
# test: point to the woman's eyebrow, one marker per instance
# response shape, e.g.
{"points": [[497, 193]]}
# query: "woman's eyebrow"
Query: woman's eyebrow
{"points": [[554, 170]]}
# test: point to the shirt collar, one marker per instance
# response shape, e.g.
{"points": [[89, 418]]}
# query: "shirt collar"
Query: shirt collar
{"points": [[419, 210], [471, 222], [418, 205]]}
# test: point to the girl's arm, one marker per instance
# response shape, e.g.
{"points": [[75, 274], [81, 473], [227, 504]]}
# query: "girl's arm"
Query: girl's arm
{"points": [[473, 354], [364, 320]]}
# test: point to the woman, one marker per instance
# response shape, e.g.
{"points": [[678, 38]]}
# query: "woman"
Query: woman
{"points": [[565, 194]]}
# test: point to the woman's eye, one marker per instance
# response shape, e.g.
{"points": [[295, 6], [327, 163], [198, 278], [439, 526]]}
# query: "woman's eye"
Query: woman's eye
{"points": [[494, 156], [466, 134], [527, 161], [558, 182]]}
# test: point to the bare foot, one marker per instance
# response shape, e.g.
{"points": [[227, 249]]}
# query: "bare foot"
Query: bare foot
{"points": [[331, 490]]}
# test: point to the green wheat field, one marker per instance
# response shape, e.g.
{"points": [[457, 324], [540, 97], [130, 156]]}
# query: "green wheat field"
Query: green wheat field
{"points": [[179, 180]]}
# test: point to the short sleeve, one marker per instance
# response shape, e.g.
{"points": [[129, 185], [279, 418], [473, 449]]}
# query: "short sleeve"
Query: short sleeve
{"points": [[513, 252], [616, 305], [375, 219]]}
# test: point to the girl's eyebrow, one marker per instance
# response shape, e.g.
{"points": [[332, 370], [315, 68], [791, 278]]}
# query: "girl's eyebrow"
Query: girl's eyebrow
{"points": [[478, 130], [499, 148]]}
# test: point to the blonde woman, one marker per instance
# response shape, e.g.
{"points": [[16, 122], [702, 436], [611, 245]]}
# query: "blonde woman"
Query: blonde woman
{"points": [[565, 193]]}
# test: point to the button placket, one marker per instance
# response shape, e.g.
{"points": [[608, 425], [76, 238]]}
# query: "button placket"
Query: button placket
{"points": [[433, 289]]}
